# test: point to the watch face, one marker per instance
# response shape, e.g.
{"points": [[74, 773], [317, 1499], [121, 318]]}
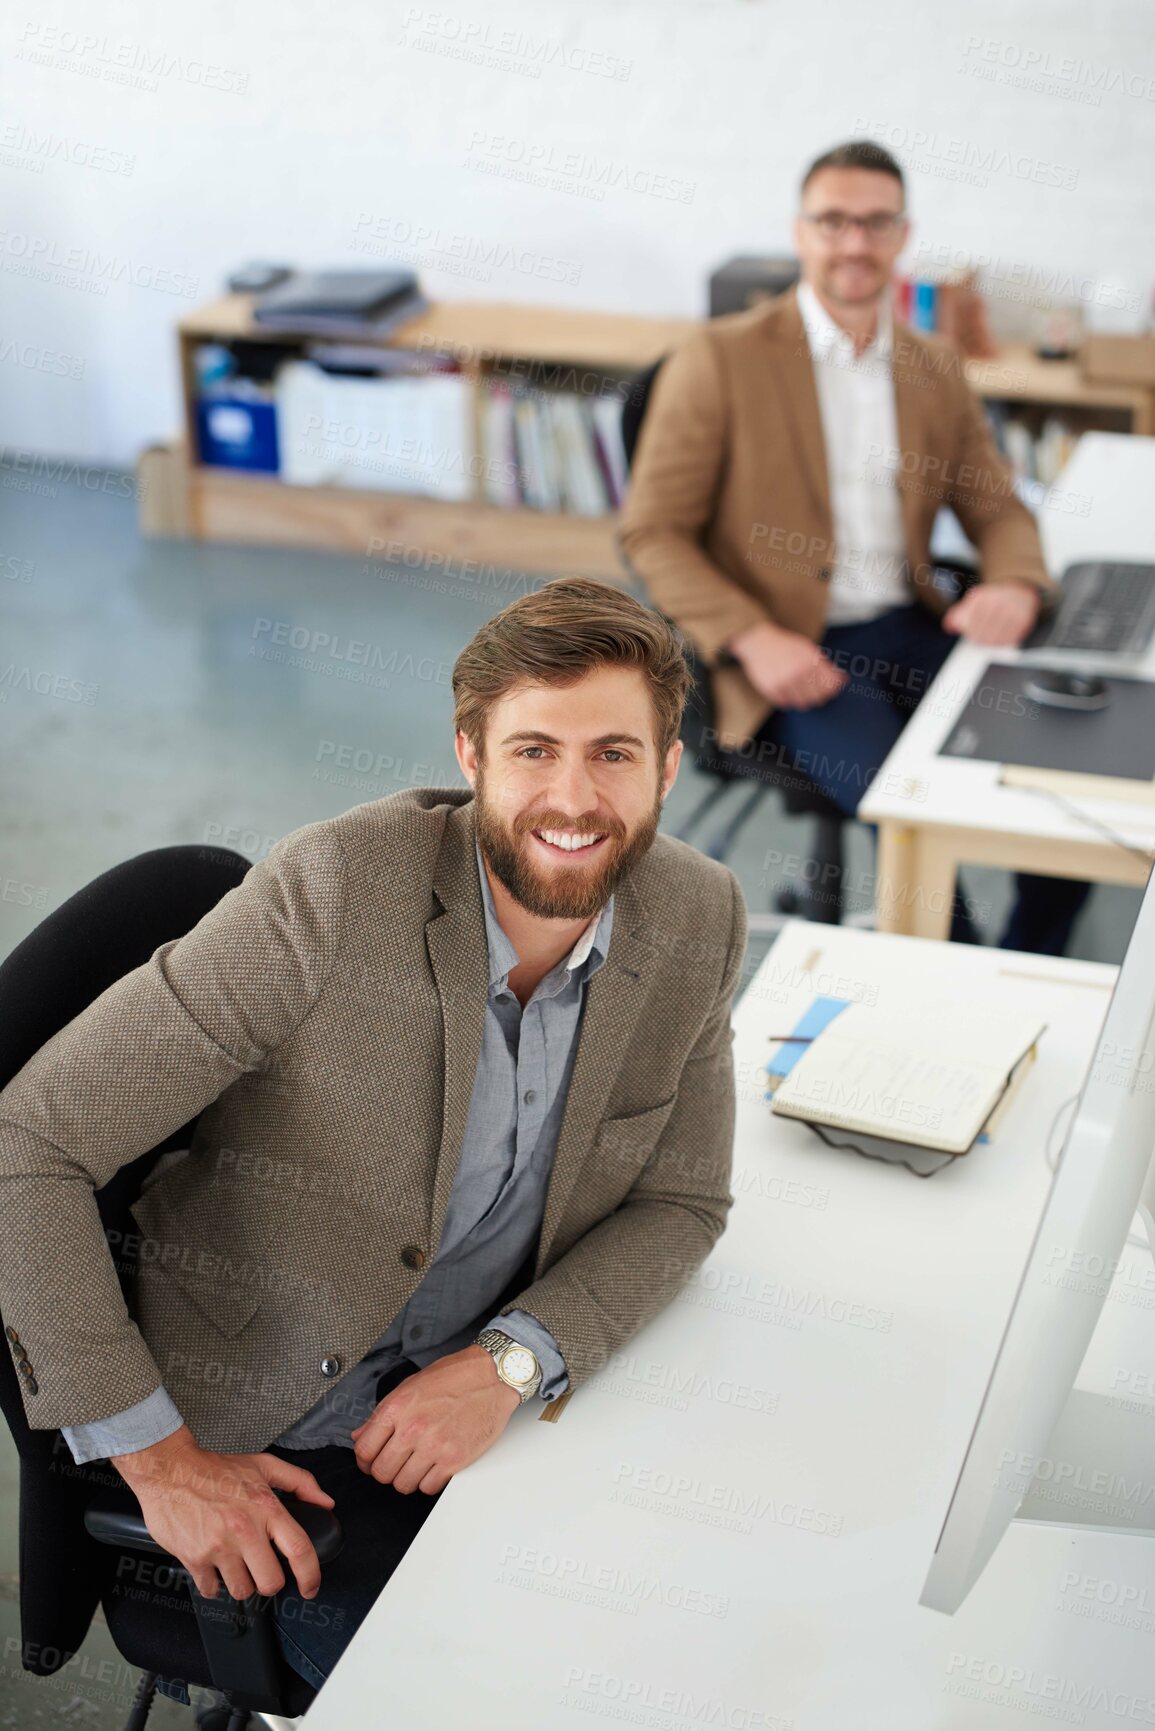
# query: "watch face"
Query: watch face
{"points": [[518, 1364]]}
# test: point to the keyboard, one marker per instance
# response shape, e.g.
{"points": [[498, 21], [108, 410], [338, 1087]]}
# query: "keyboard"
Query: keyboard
{"points": [[1105, 607]]}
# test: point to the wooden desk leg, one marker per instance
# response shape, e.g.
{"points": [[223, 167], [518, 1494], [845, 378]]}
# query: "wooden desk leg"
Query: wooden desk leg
{"points": [[917, 872], [895, 855]]}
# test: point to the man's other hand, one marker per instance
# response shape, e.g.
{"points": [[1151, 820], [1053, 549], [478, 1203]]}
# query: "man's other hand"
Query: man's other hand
{"points": [[435, 1422], [785, 667], [998, 615]]}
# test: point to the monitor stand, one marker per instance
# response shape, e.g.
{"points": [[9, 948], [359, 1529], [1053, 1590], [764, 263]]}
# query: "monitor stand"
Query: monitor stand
{"points": [[1099, 1471]]}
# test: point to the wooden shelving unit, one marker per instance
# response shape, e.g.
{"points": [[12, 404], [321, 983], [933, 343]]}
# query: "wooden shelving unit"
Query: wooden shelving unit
{"points": [[1017, 375], [186, 497], [225, 505]]}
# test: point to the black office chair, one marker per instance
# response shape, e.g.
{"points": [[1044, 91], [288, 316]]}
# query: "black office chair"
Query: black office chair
{"points": [[80, 1526], [819, 895]]}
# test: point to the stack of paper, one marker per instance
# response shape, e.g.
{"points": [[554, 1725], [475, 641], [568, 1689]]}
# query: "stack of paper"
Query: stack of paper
{"points": [[397, 433]]}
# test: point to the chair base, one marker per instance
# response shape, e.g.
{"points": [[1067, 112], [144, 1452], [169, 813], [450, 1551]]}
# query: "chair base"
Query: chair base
{"points": [[821, 897], [142, 1702], [216, 1713]]}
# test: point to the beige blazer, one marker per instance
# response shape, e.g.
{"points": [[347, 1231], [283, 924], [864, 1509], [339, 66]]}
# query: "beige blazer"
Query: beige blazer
{"points": [[327, 1016], [727, 520]]}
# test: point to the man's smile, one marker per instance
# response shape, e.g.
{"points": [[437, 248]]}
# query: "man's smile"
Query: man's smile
{"points": [[569, 843]]}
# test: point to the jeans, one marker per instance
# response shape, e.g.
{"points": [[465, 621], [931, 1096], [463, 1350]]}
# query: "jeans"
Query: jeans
{"points": [[891, 662]]}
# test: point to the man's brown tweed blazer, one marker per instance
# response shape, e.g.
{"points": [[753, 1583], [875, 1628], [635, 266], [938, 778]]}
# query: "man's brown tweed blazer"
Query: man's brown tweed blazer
{"points": [[728, 518], [327, 1016]]}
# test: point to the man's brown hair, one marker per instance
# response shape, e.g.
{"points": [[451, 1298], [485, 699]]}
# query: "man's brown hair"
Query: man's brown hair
{"points": [[858, 153], [559, 633]]}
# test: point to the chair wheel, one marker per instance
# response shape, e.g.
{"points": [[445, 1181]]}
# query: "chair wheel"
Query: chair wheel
{"points": [[211, 1717]]}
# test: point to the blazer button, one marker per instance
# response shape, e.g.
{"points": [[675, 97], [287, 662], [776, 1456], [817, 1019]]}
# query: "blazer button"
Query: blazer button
{"points": [[13, 1336], [24, 1367], [330, 1366], [33, 1385], [413, 1256]]}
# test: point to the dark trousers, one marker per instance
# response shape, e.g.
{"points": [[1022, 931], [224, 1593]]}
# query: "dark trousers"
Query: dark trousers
{"points": [[840, 746], [379, 1525]]}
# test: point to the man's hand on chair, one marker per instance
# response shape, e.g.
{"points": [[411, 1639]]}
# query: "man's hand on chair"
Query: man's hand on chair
{"points": [[437, 1421], [998, 615], [218, 1514], [785, 667]]}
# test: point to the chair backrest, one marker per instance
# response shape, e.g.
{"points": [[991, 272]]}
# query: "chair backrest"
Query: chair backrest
{"points": [[698, 715], [634, 408], [99, 934]]}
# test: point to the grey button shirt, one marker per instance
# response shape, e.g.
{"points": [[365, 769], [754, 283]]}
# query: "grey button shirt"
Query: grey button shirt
{"points": [[494, 1214]]}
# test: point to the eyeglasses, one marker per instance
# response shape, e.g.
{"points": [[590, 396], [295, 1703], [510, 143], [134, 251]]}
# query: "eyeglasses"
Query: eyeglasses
{"points": [[833, 224]]}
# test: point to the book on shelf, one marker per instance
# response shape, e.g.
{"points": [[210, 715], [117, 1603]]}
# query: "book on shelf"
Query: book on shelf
{"points": [[606, 415], [581, 478], [498, 445], [531, 464], [1037, 457], [567, 453], [951, 306]]}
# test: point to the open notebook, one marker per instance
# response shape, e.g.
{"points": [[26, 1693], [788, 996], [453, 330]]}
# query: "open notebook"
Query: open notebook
{"points": [[929, 1074]]}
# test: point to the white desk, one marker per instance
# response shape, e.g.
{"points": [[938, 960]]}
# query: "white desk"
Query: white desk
{"points": [[813, 1390], [936, 813]]}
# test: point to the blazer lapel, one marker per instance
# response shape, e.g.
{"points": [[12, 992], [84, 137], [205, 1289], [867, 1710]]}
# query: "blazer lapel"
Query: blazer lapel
{"points": [[798, 396], [910, 423], [459, 955], [614, 999]]}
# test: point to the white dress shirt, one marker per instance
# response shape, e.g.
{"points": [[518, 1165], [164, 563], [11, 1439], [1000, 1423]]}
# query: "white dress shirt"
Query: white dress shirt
{"points": [[860, 430]]}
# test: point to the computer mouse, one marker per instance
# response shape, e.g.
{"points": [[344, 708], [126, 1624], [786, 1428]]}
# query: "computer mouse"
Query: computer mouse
{"points": [[1057, 689]]}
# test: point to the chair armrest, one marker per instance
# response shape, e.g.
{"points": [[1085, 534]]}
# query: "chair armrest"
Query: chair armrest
{"points": [[114, 1518], [239, 1635]]}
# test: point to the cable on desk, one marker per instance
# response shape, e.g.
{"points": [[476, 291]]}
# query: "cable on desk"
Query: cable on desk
{"points": [[1085, 817], [1052, 1159]]}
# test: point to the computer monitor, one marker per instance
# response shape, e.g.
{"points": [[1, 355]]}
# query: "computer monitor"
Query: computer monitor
{"points": [[1041, 1449]]}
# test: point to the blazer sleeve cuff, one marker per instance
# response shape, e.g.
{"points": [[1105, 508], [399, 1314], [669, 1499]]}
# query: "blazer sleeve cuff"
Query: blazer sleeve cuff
{"points": [[712, 637]]}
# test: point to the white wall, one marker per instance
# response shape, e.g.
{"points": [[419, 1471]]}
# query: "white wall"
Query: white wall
{"points": [[689, 119]]}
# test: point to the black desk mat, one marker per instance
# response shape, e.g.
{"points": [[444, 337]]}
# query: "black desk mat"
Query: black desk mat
{"points": [[1002, 723]]}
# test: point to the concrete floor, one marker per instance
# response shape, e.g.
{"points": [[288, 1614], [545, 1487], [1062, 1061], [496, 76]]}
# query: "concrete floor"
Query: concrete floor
{"points": [[139, 706]]}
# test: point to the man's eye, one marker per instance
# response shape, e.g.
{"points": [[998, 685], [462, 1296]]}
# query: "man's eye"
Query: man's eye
{"points": [[611, 752]]}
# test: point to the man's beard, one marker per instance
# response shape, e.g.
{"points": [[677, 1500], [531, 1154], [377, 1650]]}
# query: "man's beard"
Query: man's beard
{"points": [[565, 892]]}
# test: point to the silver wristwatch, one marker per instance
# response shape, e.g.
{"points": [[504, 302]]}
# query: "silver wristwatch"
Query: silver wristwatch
{"points": [[516, 1364]]}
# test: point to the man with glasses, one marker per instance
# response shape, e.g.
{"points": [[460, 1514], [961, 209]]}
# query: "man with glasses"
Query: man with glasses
{"points": [[789, 470]]}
